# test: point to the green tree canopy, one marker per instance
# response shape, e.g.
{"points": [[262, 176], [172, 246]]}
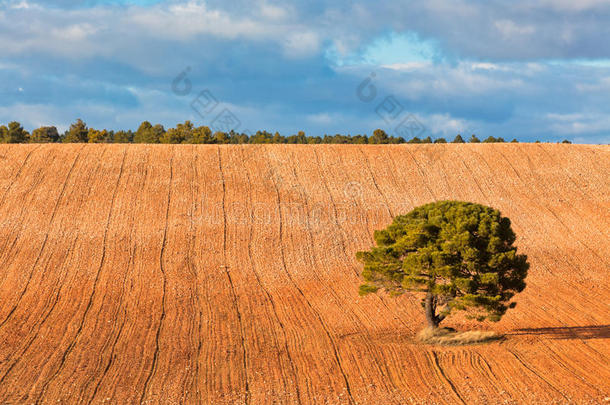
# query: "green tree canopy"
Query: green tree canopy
{"points": [[379, 136], [474, 139], [98, 136], [458, 255], [146, 133], [261, 137], [122, 136], [44, 135], [157, 132], [491, 139], [458, 139], [300, 138], [14, 133], [180, 134], [201, 135], [78, 132], [220, 138]]}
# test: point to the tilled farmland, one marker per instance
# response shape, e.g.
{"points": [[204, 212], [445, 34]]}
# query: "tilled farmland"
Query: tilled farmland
{"points": [[227, 275]]}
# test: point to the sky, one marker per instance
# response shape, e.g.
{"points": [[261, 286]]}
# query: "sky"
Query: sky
{"points": [[531, 70]]}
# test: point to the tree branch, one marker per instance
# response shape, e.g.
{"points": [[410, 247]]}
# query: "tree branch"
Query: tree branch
{"points": [[443, 314]]}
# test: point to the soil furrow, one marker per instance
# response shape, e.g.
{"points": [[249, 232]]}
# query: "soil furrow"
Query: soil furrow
{"points": [[443, 376], [94, 289], [268, 294], [233, 293], [153, 367], [538, 375], [15, 179], [44, 242], [309, 305]]}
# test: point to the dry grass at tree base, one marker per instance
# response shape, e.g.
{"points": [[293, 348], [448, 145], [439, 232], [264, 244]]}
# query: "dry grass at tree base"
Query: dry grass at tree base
{"points": [[451, 337]]}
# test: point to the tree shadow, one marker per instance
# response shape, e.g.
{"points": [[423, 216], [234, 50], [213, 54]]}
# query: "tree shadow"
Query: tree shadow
{"points": [[568, 332]]}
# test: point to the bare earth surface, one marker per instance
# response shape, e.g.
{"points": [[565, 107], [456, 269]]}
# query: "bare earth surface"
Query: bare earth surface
{"points": [[226, 275]]}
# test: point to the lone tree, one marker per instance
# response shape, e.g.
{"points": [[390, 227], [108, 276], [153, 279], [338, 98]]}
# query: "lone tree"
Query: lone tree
{"points": [[457, 255]]}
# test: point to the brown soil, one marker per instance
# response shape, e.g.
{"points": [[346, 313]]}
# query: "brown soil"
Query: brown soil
{"points": [[226, 275]]}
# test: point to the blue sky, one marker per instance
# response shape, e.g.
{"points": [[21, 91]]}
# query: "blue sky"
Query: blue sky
{"points": [[525, 69]]}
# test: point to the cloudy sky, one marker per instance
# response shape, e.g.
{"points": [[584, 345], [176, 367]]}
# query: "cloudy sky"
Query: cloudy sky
{"points": [[519, 68]]}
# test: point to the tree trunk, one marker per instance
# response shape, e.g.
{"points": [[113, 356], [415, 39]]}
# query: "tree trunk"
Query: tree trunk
{"points": [[430, 307]]}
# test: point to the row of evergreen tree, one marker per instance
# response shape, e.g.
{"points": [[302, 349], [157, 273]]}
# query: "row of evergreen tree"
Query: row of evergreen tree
{"points": [[188, 133]]}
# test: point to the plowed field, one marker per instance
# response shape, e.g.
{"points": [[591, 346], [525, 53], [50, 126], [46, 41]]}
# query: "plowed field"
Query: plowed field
{"points": [[226, 275]]}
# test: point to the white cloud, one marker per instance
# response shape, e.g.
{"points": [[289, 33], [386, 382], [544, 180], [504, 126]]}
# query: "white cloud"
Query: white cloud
{"points": [[509, 29], [595, 139], [486, 66], [269, 23], [74, 33], [407, 66], [20, 5], [321, 118], [421, 80], [301, 44], [573, 5], [184, 21], [112, 31], [600, 85], [446, 125], [32, 115], [273, 12], [578, 123]]}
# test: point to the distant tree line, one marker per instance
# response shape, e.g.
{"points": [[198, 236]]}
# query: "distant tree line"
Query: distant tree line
{"points": [[188, 133]]}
